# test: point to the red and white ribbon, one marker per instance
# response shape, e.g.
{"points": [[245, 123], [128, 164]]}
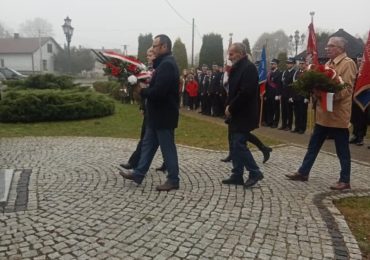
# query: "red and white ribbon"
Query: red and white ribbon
{"points": [[327, 100]]}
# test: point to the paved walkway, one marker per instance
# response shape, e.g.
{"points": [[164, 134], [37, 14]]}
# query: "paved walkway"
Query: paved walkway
{"points": [[80, 207]]}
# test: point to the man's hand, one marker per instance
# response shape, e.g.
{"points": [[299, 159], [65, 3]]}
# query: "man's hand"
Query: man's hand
{"points": [[227, 112], [290, 100], [306, 100], [277, 98]]}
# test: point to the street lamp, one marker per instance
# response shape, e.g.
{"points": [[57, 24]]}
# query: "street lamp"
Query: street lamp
{"points": [[298, 40], [68, 31]]}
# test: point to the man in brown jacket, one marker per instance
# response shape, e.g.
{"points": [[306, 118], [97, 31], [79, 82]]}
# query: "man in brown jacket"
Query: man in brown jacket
{"points": [[334, 123]]}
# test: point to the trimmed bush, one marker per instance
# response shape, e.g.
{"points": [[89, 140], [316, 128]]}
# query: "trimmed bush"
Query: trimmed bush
{"points": [[53, 105], [43, 81], [109, 87]]}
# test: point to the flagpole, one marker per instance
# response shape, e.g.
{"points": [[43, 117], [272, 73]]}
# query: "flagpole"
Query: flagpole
{"points": [[313, 105]]}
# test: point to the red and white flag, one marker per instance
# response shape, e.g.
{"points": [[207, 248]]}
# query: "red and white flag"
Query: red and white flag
{"points": [[312, 55], [362, 88]]}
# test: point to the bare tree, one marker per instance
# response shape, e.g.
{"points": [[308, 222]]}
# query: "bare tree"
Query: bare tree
{"points": [[4, 33], [36, 27], [277, 42]]}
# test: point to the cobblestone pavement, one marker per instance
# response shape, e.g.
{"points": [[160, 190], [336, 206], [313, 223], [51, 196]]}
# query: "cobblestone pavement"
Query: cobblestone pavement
{"points": [[80, 207]]}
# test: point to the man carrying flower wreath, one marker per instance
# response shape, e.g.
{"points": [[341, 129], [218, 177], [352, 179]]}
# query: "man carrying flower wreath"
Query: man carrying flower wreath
{"points": [[162, 112], [336, 122]]}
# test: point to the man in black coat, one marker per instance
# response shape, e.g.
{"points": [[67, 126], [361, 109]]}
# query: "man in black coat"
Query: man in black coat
{"points": [[286, 96], [273, 95], [242, 111], [162, 110]]}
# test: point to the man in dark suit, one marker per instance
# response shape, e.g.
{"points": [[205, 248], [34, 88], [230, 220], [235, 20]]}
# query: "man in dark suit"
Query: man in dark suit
{"points": [[273, 95], [162, 110], [286, 96], [242, 111]]}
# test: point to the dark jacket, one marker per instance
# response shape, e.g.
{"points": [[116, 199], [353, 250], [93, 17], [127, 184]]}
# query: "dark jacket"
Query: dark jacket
{"points": [[163, 94], [287, 80], [243, 97], [273, 84]]}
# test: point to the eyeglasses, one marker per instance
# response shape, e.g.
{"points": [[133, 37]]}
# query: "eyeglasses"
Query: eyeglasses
{"points": [[331, 46], [156, 45]]}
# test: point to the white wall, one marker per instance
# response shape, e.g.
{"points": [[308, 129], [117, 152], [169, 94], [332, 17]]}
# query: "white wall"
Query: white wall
{"points": [[30, 62]]}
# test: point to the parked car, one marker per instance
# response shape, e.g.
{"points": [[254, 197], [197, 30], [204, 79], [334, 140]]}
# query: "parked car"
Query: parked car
{"points": [[9, 73]]}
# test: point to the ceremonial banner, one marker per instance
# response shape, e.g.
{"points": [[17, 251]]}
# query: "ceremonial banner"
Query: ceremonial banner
{"points": [[262, 72], [312, 55], [362, 87]]}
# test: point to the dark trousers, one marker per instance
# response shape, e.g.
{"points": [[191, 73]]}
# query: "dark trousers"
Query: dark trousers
{"points": [[191, 102], [286, 113], [135, 156], [165, 139], [359, 121], [300, 115], [340, 136], [272, 115], [242, 157], [251, 138]]}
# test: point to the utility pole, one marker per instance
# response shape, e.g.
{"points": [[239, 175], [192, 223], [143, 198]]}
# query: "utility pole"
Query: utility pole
{"points": [[192, 45], [40, 51], [124, 49]]}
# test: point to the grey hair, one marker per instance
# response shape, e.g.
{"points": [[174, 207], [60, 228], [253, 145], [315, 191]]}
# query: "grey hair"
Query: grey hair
{"points": [[240, 47], [340, 42]]}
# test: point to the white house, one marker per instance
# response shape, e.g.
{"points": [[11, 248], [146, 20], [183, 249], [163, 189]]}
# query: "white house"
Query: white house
{"points": [[28, 55]]}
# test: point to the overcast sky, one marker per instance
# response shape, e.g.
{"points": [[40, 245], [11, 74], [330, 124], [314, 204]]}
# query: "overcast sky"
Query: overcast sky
{"points": [[112, 23]]}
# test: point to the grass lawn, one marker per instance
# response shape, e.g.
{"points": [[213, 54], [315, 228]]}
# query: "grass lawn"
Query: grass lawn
{"points": [[357, 215], [126, 123]]}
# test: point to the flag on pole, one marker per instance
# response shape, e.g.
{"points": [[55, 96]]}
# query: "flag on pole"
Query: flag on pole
{"points": [[262, 72], [362, 87], [312, 56], [227, 67]]}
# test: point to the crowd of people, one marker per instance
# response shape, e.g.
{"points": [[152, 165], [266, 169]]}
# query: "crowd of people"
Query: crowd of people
{"points": [[238, 99]]}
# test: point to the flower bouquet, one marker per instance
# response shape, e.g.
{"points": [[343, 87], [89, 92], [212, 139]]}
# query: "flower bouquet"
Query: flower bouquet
{"points": [[318, 77], [129, 71]]}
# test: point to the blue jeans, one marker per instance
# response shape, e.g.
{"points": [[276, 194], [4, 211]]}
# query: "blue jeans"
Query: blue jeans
{"points": [[165, 139], [341, 136], [242, 157]]}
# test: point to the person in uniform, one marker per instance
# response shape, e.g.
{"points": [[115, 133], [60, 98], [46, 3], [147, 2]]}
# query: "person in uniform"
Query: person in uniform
{"points": [[273, 95], [300, 103], [286, 96]]}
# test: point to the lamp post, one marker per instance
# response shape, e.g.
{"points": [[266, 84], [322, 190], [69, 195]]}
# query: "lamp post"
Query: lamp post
{"points": [[68, 31], [298, 40]]}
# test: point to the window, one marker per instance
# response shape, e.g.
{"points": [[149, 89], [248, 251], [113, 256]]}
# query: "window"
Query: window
{"points": [[2, 63], [44, 65], [50, 48]]}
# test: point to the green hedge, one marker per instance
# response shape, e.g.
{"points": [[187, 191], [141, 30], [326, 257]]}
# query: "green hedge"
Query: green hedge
{"points": [[53, 105], [109, 87], [42, 81]]}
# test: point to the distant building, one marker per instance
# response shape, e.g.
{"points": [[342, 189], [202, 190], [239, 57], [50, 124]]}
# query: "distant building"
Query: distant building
{"points": [[29, 55], [354, 46]]}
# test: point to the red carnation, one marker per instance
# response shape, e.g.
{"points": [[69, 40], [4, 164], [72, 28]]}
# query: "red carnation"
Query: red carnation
{"points": [[131, 67]]}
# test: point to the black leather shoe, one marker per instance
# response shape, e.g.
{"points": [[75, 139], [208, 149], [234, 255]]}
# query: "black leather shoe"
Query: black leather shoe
{"points": [[253, 181], [294, 131], [227, 159], [126, 166], [296, 177], [353, 140], [167, 186], [234, 181], [162, 168], [130, 176], [360, 142], [266, 153]]}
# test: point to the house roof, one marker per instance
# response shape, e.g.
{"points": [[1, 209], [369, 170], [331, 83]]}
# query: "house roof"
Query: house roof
{"points": [[354, 46], [23, 45]]}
